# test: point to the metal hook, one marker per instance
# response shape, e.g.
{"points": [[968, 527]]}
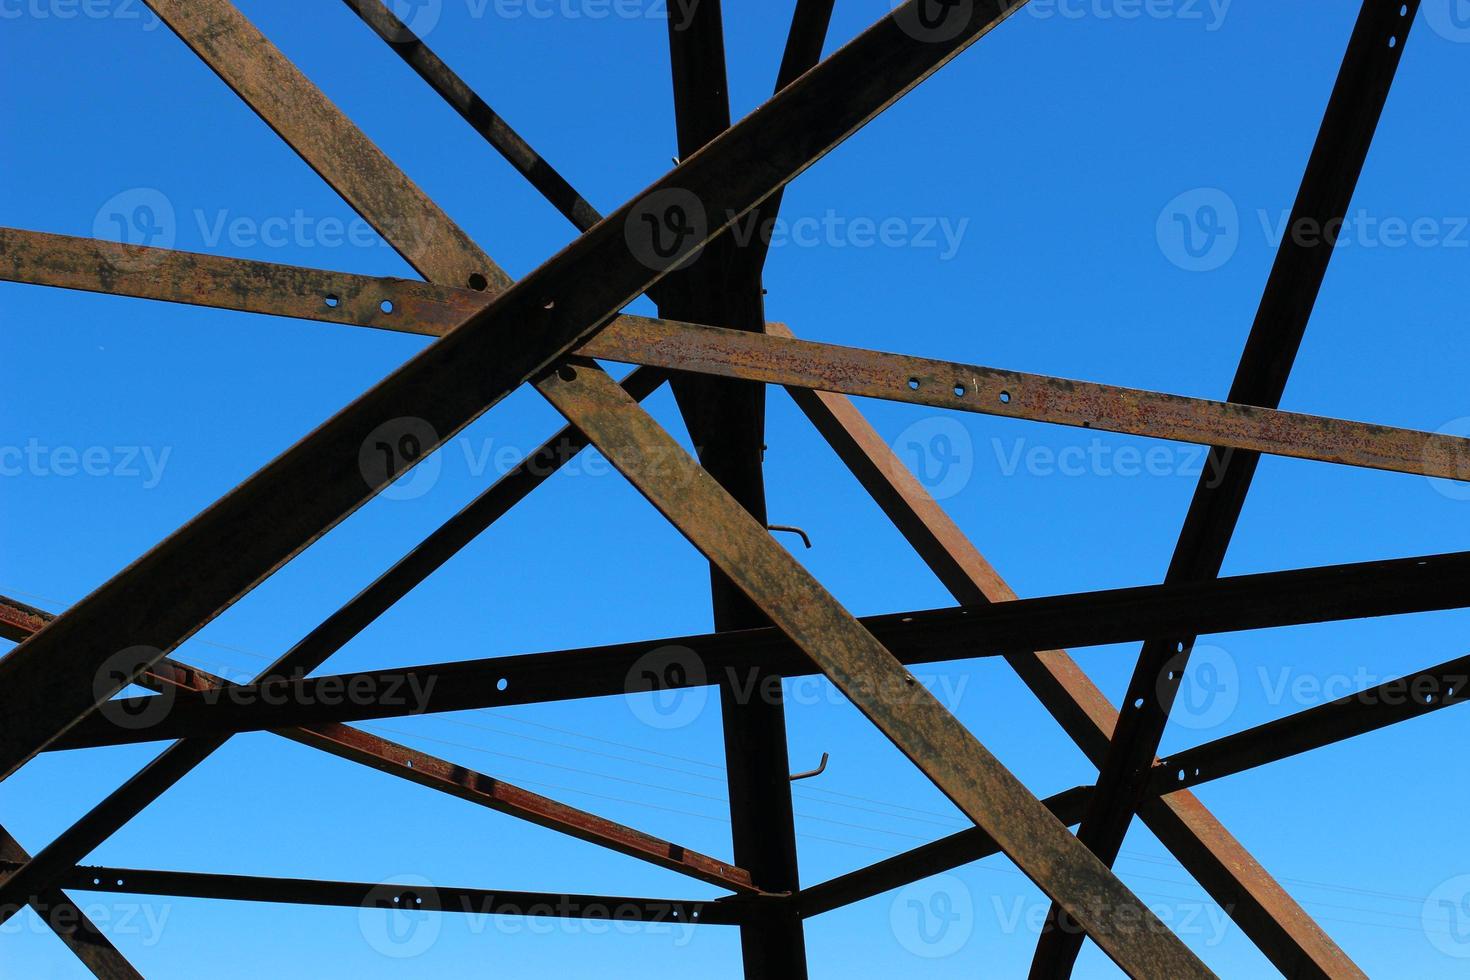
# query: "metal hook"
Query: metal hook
{"points": [[813, 772], [791, 529]]}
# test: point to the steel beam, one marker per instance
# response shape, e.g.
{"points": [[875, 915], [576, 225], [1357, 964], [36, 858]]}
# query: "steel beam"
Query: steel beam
{"points": [[1006, 628], [726, 421], [1389, 703], [747, 356], [1332, 172], [1232, 877], [414, 898]]}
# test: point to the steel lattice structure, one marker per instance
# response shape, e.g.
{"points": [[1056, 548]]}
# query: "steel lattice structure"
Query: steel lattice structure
{"points": [[713, 345]]}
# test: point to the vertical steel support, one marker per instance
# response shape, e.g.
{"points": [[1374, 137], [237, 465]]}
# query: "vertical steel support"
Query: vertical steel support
{"points": [[726, 420]]}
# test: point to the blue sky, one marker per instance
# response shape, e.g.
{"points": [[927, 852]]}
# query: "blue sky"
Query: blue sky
{"points": [[1029, 193]]}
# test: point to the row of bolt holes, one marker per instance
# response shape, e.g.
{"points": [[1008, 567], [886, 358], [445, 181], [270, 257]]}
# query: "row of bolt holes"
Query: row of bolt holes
{"points": [[959, 391], [477, 282], [397, 899], [1393, 40]]}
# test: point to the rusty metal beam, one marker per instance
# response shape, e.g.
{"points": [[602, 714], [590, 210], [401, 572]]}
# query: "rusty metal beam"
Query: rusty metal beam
{"points": [[466, 784], [1341, 149], [388, 895], [747, 356], [877, 684], [316, 484], [1012, 628], [726, 422], [1012, 394], [71, 925], [1232, 877], [1389, 703], [933, 858]]}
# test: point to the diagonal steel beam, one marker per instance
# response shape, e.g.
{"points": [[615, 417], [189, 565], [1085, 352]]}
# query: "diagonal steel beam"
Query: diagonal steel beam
{"points": [[71, 924], [1233, 878], [877, 684], [1341, 149], [1010, 628], [921, 862], [1389, 703]]}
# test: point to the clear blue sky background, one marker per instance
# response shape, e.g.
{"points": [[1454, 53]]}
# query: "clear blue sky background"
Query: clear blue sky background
{"points": [[1054, 148]]}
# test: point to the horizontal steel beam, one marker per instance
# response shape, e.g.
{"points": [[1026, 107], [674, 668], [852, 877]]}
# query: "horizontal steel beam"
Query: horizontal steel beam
{"points": [[1405, 698], [1245, 602], [80, 263], [389, 895]]}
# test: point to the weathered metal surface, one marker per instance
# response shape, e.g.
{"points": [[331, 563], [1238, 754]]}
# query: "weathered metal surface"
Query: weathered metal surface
{"points": [[1040, 398], [877, 684], [386, 895], [1272, 919], [739, 354], [1403, 699], [317, 483], [1353, 110], [71, 925], [726, 422], [172, 276]]}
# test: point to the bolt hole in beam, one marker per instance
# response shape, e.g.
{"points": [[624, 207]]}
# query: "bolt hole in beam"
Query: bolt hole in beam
{"points": [[333, 300], [386, 306], [478, 282]]}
